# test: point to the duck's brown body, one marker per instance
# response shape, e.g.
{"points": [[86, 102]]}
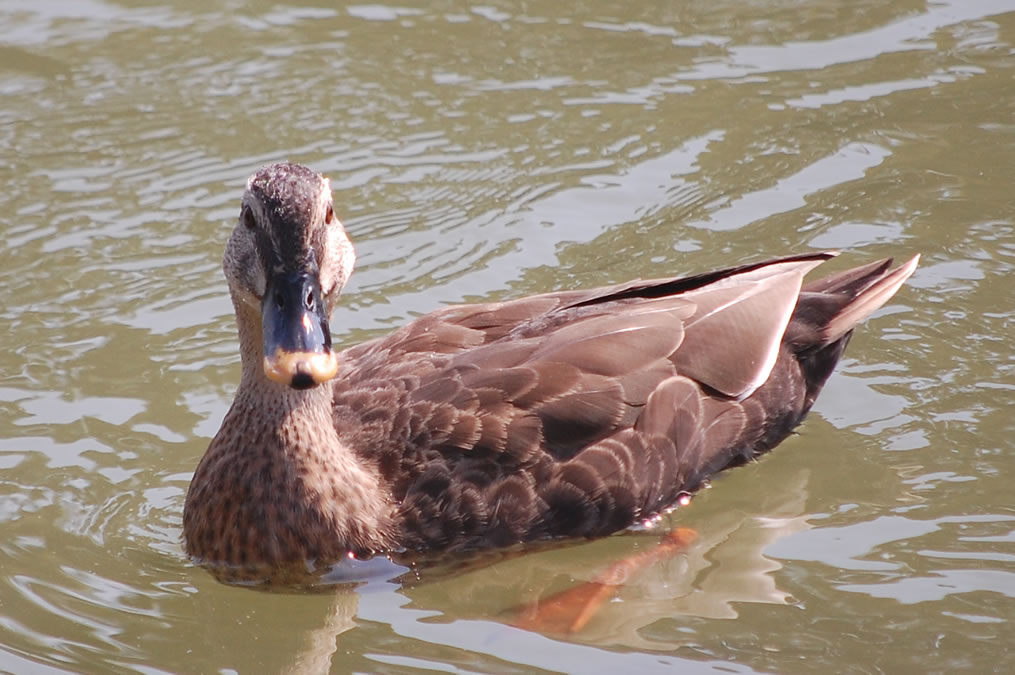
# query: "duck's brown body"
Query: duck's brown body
{"points": [[568, 414]]}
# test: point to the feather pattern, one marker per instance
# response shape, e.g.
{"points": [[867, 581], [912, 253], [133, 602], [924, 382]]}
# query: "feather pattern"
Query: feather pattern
{"points": [[575, 413]]}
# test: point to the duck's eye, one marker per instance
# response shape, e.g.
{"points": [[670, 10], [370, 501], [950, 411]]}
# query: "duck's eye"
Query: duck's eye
{"points": [[329, 215], [248, 219]]}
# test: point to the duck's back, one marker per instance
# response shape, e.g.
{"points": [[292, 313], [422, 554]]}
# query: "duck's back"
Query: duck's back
{"points": [[580, 413]]}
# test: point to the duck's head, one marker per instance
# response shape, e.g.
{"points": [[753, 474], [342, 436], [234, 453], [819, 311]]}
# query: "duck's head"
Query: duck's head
{"points": [[286, 263]]}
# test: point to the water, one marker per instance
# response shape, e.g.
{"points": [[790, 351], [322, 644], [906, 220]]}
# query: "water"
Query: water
{"points": [[484, 152]]}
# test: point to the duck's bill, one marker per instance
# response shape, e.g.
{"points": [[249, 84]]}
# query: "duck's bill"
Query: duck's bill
{"points": [[297, 341]]}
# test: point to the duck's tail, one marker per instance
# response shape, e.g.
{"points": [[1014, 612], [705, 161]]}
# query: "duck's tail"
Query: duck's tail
{"points": [[831, 307], [864, 289]]}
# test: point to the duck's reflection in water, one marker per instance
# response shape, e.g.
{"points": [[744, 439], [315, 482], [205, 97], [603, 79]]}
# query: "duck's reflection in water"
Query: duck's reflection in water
{"points": [[707, 577]]}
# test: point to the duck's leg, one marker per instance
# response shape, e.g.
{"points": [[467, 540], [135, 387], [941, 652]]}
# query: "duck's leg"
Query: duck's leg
{"points": [[570, 610]]}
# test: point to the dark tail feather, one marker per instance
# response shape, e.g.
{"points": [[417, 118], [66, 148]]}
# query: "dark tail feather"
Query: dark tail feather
{"points": [[830, 308], [865, 289]]}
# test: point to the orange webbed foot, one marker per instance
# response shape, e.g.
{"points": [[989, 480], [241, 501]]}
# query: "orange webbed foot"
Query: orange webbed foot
{"points": [[569, 611]]}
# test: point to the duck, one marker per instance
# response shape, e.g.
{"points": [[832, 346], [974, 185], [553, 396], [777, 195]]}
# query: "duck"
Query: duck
{"points": [[569, 414]]}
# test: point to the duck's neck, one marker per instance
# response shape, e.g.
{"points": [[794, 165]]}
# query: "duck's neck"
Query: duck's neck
{"points": [[278, 486]]}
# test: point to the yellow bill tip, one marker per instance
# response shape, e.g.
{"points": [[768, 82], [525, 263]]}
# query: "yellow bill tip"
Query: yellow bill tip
{"points": [[301, 370]]}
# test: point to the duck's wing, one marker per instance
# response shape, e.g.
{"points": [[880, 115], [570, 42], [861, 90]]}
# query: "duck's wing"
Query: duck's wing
{"points": [[575, 413], [555, 373]]}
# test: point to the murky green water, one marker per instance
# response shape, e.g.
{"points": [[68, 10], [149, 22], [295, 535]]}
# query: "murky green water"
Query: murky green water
{"points": [[488, 151]]}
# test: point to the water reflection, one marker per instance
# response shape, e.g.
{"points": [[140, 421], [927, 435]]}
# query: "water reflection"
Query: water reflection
{"points": [[321, 644]]}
